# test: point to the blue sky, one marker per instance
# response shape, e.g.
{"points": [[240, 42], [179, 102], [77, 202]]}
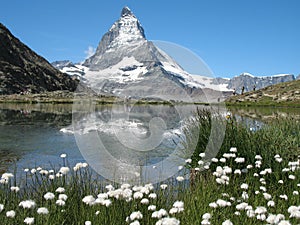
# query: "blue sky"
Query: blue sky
{"points": [[261, 37]]}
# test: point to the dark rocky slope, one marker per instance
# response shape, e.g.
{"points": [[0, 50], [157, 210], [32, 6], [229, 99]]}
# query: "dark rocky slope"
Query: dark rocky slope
{"points": [[24, 71]]}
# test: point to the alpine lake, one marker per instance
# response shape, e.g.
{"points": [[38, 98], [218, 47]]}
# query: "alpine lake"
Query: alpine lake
{"points": [[34, 135]]}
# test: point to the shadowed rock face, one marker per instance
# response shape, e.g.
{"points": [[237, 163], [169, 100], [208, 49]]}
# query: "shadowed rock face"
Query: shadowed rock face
{"points": [[22, 70]]}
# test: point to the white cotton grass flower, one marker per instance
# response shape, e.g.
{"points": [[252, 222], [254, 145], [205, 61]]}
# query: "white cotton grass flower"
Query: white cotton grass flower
{"points": [[245, 195], [213, 205], [258, 157], [295, 192], [229, 155], [136, 222], [10, 214], [178, 207], [202, 154], [60, 202], [152, 195], [109, 187], [89, 200], [29, 220], [206, 216], [223, 203], [178, 204], [227, 222], [233, 149], [244, 186], [267, 196], [270, 203], [125, 186], [49, 196], [284, 222], [180, 178], [250, 213], [63, 155], [44, 172], [249, 166], [241, 206], [15, 189], [215, 160], [136, 216], [79, 165], [168, 221], [7, 176], [205, 222], [239, 160], [151, 207], [294, 211], [103, 195], [42, 210], [159, 214], [145, 201], [27, 204], [63, 197], [225, 194], [138, 195], [188, 160], [200, 162], [260, 212], [263, 188], [60, 190], [222, 160], [87, 222], [64, 170], [285, 197], [292, 177], [1, 207], [237, 171]]}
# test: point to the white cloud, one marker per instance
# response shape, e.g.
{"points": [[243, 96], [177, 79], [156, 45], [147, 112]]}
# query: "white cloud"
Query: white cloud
{"points": [[89, 52]]}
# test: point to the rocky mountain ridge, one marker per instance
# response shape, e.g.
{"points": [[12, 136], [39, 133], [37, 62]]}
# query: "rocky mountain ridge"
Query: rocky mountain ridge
{"points": [[24, 71], [126, 64], [224, 84], [282, 94]]}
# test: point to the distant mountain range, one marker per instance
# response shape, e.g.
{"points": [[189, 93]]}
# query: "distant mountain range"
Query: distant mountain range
{"points": [[247, 80], [24, 71]]}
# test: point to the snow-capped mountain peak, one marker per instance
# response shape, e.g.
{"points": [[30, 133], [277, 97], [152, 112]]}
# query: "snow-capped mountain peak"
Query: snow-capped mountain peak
{"points": [[126, 12], [125, 35], [128, 30]]}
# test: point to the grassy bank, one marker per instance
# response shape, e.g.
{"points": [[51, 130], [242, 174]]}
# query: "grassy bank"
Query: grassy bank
{"points": [[254, 179]]}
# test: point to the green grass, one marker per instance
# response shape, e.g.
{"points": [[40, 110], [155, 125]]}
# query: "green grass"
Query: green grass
{"points": [[280, 137]]}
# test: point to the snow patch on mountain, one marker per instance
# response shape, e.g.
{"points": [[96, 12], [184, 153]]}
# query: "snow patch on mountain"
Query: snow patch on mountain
{"points": [[128, 70], [210, 82]]}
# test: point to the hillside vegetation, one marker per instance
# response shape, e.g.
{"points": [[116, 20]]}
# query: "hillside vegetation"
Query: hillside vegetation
{"points": [[283, 94]]}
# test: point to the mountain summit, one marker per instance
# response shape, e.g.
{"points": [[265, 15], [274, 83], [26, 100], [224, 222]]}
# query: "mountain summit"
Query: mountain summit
{"points": [[127, 64], [125, 32]]}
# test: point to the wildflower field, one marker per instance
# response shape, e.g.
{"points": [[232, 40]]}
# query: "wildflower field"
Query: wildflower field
{"points": [[254, 179]]}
